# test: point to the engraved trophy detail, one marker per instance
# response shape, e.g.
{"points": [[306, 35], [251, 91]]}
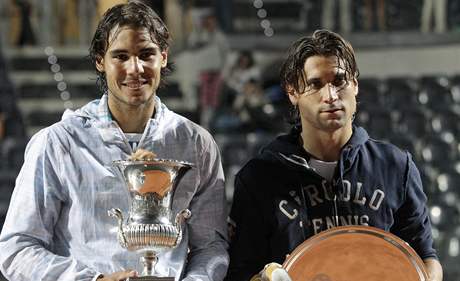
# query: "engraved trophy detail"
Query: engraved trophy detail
{"points": [[151, 226]]}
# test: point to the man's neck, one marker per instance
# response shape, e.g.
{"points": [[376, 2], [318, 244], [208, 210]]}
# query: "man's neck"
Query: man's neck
{"points": [[325, 146], [132, 119]]}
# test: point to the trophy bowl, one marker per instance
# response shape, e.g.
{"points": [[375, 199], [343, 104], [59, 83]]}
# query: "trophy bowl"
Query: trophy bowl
{"points": [[151, 226]]}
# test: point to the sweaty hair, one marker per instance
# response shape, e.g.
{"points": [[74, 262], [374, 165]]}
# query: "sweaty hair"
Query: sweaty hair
{"points": [[133, 14], [321, 43]]}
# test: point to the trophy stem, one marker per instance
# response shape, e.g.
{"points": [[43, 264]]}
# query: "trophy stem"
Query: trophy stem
{"points": [[149, 260]]}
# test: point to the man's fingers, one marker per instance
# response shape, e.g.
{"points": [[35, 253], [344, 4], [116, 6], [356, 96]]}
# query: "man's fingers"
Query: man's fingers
{"points": [[142, 154], [127, 274], [118, 276]]}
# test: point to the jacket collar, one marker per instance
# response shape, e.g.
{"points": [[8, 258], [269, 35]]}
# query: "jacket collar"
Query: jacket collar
{"points": [[288, 150]]}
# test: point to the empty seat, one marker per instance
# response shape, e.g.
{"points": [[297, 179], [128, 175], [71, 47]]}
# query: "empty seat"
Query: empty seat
{"points": [[443, 216], [49, 90], [438, 153], [256, 141], [370, 92], [13, 152], [447, 246], [7, 179], [40, 118], [414, 122], [446, 122], [170, 90], [401, 92], [404, 142], [233, 148], [381, 123], [434, 93]]}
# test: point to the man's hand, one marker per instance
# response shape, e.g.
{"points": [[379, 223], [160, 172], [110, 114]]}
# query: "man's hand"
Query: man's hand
{"points": [[434, 269], [272, 272], [118, 276], [142, 154]]}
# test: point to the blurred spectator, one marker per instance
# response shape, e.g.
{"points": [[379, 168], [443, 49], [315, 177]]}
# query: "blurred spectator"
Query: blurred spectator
{"points": [[246, 114], [209, 34], [238, 74], [86, 11], [374, 13], [210, 44], [249, 107], [328, 15], [438, 8], [11, 124], [26, 34], [224, 13]]}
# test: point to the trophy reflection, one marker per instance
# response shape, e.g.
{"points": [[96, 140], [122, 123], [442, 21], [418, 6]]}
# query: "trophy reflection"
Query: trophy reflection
{"points": [[151, 226]]}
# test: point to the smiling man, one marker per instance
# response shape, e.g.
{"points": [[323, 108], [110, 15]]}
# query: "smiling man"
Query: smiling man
{"points": [[326, 172], [57, 227]]}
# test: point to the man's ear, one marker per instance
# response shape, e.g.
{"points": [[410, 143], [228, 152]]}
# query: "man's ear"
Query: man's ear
{"points": [[292, 94], [100, 64], [164, 60], [355, 81]]}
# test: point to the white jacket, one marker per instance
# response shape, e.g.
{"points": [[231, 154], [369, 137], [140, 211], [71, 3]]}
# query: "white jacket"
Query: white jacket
{"points": [[57, 227]]}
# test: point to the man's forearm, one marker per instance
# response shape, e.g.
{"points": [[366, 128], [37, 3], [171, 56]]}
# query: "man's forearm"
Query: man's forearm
{"points": [[434, 269]]}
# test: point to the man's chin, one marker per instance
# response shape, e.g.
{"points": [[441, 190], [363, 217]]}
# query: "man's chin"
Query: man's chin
{"points": [[334, 125], [141, 100]]}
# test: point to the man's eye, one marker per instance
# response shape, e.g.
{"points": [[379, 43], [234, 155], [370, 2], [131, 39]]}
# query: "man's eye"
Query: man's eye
{"points": [[121, 57], [315, 85], [340, 82], [146, 56]]}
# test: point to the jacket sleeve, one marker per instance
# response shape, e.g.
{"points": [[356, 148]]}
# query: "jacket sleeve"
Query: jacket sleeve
{"points": [[207, 230], [412, 222], [249, 246], [26, 241]]}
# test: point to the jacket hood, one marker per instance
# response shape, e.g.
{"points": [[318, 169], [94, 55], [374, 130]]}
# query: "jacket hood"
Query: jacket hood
{"points": [[287, 150], [94, 110], [98, 111]]}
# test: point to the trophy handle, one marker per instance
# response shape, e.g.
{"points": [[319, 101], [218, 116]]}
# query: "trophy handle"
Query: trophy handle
{"points": [[180, 218], [116, 213]]}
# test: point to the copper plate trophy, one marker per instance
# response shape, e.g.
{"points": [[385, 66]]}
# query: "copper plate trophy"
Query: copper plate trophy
{"points": [[355, 253]]}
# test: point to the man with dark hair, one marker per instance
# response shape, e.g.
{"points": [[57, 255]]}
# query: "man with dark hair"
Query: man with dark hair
{"points": [[326, 172], [57, 227]]}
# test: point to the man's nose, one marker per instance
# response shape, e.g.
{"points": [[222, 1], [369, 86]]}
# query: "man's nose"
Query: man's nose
{"points": [[135, 65], [331, 92]]}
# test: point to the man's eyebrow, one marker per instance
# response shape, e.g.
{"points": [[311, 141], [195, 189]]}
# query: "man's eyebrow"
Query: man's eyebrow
{"points": [[117, 52], [124, 51], [150, 49]]}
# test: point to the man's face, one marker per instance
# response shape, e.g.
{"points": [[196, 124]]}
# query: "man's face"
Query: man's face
{"points": [[329, 99], [132, 65]]}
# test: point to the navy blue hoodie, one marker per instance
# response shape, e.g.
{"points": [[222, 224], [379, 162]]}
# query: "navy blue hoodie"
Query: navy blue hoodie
{"points": [[280, 201]]}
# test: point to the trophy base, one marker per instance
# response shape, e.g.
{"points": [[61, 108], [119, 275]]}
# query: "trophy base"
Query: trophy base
{"points": [[150, 278]]}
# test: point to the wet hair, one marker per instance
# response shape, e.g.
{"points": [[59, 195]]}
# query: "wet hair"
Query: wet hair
{"points": [[320, 43], [136, 15]]}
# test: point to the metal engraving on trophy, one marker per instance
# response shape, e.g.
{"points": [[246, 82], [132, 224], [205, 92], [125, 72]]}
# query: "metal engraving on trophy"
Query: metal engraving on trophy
{"points": [[151, 226]]}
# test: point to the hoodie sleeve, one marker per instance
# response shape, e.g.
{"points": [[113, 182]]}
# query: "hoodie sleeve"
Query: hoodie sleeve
{"points": [[249, 246], [208, 256], [26, 240], [412, 222]]}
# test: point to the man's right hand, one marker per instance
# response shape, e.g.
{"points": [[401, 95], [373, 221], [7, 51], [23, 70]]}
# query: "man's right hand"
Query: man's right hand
{"points": [[142, 154], [118, 276], [272, 272]]}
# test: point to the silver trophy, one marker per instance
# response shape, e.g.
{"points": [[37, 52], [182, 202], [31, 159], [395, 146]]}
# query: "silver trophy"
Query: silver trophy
{"points": [[151, 226]]}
